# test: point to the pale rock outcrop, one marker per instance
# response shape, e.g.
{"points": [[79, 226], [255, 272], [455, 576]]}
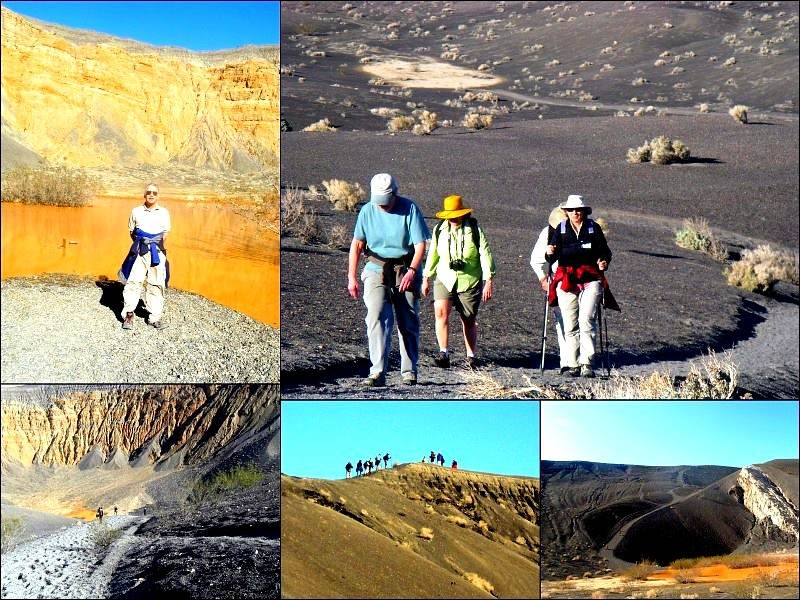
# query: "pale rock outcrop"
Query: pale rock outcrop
{"points": [[173, 425], [90, 100], [762, 497]]}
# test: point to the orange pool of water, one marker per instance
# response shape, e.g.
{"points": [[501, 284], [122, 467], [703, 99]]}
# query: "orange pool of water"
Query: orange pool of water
{"points": [[84, 514], [725, 573], [212, 251]]}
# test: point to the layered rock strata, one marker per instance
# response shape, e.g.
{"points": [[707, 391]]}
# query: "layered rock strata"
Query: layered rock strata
{"points": [[771, 508]]}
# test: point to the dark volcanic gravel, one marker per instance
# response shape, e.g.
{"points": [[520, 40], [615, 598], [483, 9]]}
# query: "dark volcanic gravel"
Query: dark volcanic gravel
{"points": [[676, 303]]}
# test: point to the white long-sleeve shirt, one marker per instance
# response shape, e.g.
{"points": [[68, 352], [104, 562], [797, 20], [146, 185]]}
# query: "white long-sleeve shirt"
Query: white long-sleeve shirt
{"points": [[539, 263]]}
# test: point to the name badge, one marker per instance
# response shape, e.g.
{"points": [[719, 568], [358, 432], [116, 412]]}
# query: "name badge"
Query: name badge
{"points": [[586, 245]]}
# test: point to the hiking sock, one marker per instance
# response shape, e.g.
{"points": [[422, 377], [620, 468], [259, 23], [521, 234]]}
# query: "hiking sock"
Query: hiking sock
{"points": [[443, 350]]}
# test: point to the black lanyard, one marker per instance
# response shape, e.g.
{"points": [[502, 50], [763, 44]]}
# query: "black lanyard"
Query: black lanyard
{"points": [[450, 239]]}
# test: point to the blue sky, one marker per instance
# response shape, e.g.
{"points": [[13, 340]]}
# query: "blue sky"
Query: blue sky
{"points": [[318, 438], [732, 434], [192, 25]]}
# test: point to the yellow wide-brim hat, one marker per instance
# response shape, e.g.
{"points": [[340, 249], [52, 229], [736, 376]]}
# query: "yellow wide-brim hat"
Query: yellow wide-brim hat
{"points": [[453, 208]]}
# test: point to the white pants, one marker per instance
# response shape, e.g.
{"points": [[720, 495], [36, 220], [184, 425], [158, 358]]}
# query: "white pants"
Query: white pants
{"points": [[579, 315], [153, 280], [556, 312]]}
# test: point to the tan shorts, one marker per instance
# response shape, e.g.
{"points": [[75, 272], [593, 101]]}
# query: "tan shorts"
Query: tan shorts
{"points": [[466, 302]]}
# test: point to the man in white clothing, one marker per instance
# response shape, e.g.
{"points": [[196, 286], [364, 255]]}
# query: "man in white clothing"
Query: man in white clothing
{"points": [[145, 268]]}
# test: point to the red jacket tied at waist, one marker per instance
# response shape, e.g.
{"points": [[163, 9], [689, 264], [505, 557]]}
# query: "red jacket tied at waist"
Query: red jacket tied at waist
{"points": [[570, 277]]}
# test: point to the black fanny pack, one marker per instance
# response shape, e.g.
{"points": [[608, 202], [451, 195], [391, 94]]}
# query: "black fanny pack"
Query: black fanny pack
{"points": [[392, 269]]}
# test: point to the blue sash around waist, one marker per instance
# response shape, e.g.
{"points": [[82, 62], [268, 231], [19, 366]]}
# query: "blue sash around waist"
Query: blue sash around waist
{"points": [[144, 243]]}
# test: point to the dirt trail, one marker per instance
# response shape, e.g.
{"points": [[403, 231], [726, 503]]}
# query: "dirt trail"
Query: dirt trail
{"points": [[671, 110]]}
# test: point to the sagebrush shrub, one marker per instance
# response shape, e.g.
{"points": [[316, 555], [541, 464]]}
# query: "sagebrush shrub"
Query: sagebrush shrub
{"points": [[321, 125], [476, 121], [46, 184], [696, 234], [660, 150], [739, 113], [344, 195], [761, 268], [400, 123]]}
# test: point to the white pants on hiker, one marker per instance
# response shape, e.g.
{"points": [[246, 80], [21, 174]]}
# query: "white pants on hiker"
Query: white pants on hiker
{"points": [[579, 315], [153, 280]]}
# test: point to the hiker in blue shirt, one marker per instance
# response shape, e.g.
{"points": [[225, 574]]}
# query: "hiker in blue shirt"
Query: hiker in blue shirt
{"points": [[391, 232]]}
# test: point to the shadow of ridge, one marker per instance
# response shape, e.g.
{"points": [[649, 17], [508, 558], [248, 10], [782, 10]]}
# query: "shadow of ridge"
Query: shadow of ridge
{"points": [[111, 298], [654, 254]]}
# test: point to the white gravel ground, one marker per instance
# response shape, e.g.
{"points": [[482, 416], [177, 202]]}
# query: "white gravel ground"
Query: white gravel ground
{"points": [[55, 330], [66, 564]]}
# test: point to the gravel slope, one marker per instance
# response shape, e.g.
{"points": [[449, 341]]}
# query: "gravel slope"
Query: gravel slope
{"points": [[61, 330]]}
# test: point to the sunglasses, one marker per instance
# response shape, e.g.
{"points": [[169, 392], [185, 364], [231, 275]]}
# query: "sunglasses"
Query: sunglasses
{"points": [[574, 209], [150, 193]]}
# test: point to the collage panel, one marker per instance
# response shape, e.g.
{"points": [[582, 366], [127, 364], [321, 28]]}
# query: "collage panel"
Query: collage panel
{"points": [[670, 499], [404, 499], [140, 159], [593, 180], [140, 491]]}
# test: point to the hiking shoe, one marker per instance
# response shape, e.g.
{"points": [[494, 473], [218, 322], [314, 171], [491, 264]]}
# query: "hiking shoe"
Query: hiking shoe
{"points": [[586, 371], [471, 362], [564, 370], [409, 378], [159, 325], [574, 372], [127, 323], [442, 360], [374, 380]]}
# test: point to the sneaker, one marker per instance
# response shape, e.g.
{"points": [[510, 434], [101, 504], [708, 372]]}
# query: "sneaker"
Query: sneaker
{"points": [[128, 322], [574, 372], [471, 362], [442, 360], [159, 325], [374, 380], [586, 371], [409, 378], [564, 370]]}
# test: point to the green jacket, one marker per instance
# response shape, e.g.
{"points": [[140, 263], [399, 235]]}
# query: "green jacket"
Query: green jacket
{"points": [[459, 243]]}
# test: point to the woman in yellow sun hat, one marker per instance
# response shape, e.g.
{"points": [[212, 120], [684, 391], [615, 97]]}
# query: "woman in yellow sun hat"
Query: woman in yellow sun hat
{"points": [[460, 261]]}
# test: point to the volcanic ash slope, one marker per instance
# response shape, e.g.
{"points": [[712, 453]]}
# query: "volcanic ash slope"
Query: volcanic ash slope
{"points": [[411, 531]]}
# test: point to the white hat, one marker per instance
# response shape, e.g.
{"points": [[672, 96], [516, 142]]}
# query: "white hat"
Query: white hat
{"points": [[382, 188], [576, 201]]}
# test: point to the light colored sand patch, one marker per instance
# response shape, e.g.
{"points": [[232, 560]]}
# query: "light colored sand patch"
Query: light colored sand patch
{"points": [[607, 582], [428, 73]]}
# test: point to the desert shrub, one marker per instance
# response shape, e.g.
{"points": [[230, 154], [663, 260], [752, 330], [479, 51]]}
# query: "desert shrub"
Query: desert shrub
{"points": [[239, 477], [385, 112], [343, 195], [760, 269], [44, 184], [697, 235], [744, 589], [11, 530], [102, 536], [400, 123], [660, 150], [739, 113], [640, 571], [479, 582], [460, 521], [339, 236], [476, 121], [428, 121], [292, 207], [704, 107], [684, 576], [321, 125], [426, 533]]}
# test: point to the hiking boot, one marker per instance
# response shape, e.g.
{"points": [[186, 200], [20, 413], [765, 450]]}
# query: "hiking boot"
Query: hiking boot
{"points": [[409, 378], [564, 370], [442, 360], [471, 362], [374, 380], [574, 372], [586, 371], [159, 325], [128, 322]]}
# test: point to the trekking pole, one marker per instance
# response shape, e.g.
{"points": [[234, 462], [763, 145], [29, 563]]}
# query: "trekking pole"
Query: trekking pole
{"points": [[544, 329], [608, 363]]}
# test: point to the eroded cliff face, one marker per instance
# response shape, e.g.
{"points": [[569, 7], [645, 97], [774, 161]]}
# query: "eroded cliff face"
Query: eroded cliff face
{"points": [[134, 426], [776, 515], [92, 100]]}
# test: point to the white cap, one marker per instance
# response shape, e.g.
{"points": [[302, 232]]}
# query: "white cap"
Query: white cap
{"points": [[382, 188]]}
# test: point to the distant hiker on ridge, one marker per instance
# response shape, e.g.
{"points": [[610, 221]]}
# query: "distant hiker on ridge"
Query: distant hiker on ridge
{"points": [[347, 468], [543, 270], [386, 458], [391, 232], [454, 466], [99, 513], [463, 269], [433, 457], [359, 468], [579, 284], [115, 511], [440, 459], [377, 462], [146, 267]]}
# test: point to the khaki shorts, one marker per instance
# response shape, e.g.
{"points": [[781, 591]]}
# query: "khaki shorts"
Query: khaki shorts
{"points": [[466, 302]]}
